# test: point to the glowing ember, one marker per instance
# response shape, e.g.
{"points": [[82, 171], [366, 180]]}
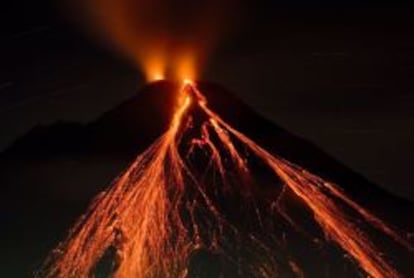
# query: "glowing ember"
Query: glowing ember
{"points": [[159, 214]]}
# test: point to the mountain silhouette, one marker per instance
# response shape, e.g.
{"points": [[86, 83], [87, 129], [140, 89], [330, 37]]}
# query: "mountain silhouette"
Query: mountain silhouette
{"points": [[51, 174]]}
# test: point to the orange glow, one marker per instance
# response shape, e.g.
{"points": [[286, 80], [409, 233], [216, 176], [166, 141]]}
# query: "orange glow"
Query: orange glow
{"points": [[154, 68], [161, 67], [141, 214], [156, 77], [163, 43], [185, 67], [187, 81]]}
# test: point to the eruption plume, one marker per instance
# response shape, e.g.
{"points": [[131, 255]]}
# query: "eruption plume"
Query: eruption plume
{"points": [[162, 215], [165, 38]]}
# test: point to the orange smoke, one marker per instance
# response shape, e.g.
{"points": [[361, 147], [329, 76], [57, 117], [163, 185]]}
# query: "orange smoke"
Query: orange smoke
{"points": [[164, 38]]}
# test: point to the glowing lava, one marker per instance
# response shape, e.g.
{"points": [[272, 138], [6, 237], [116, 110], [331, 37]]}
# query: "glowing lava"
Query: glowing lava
{"points": [[158, 213]]}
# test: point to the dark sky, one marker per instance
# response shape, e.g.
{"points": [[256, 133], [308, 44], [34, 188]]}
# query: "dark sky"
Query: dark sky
{"points": [[339, 73]]}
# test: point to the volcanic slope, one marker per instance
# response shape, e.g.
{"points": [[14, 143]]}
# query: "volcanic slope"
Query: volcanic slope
{"points": [[244, 197]]}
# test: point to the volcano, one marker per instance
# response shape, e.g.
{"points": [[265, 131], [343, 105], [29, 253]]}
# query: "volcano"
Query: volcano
{"points": [[208, 188]]}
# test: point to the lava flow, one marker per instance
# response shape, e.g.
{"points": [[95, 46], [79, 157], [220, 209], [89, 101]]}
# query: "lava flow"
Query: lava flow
{"points": [[161, 212]]}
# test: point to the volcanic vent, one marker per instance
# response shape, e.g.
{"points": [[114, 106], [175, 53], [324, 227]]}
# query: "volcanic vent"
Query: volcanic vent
{"points": [[205, 200]]}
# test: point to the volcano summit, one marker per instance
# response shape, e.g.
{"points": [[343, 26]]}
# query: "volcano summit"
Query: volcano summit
{"points": [[217, 191]]}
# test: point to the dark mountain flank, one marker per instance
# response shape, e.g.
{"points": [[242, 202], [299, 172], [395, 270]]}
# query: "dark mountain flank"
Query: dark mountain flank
{"points": [[50, 175]]}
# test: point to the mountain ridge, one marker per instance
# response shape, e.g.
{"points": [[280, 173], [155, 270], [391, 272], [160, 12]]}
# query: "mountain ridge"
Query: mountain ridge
{"points": [[81, 157]]}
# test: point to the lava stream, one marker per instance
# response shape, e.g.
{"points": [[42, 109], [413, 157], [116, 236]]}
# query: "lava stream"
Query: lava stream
{"points": [[157, 214]]}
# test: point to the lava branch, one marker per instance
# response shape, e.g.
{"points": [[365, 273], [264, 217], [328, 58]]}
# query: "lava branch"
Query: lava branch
{"points": [[310, 188], [206, 141], [141, 215]]}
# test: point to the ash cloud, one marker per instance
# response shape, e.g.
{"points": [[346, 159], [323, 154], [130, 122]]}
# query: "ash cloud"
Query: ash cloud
{"points": [[163, 37]]}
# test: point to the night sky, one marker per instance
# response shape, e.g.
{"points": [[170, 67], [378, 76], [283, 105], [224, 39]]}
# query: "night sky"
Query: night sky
{"points": [[339, 73]]}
